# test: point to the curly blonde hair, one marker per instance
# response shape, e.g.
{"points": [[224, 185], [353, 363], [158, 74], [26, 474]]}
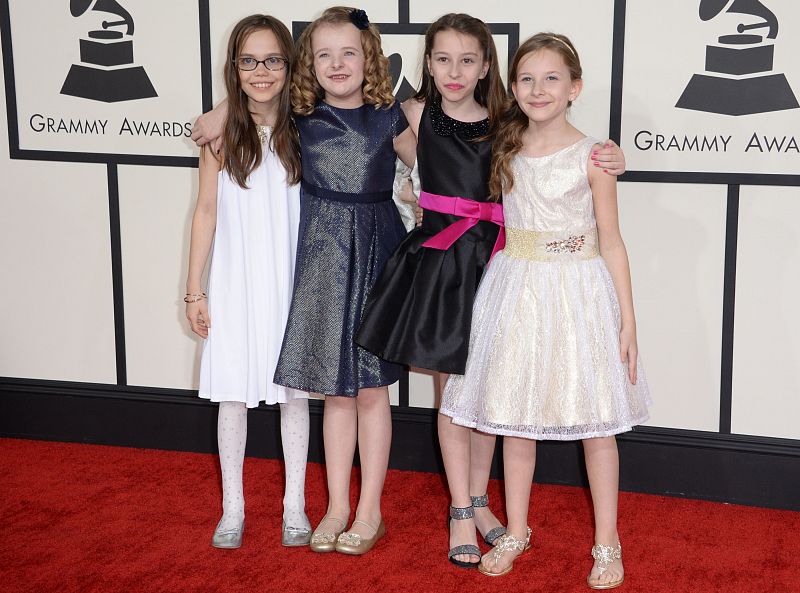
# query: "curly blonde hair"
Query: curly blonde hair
{"points": [[377, 85]]}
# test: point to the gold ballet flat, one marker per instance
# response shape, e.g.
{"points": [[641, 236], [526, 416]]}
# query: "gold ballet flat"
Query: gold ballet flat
{"points": [[605, 555], [325, 541], [356, 545]]}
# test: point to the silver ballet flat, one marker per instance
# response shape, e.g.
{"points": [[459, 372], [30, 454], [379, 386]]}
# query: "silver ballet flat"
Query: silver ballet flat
{"points": [[293, 537], [228, 539]]}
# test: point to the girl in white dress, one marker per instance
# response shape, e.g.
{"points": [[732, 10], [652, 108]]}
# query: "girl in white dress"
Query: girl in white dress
{"points": [[249, 205], [553, 352]]}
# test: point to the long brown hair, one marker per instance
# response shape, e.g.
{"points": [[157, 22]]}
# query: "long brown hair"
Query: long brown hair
{"points": [[489, 92], [377, 85], [242, 144], [514, 122]]}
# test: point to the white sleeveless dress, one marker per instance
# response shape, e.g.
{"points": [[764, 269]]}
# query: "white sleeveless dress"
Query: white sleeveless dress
{"points": [[544, 358], [250, 285]]}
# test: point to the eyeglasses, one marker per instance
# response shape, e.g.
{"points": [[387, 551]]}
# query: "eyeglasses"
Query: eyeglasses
{"points": [[273, 63]]}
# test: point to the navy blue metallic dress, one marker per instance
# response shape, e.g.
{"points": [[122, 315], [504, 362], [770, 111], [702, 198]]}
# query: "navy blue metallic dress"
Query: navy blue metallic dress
{"points": [[349, 226]]}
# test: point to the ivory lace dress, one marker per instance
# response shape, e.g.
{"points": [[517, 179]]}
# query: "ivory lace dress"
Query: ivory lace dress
{"points": [[544, 358]]}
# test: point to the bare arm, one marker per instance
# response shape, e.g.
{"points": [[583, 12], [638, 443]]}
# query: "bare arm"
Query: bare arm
{"points": [[405, 145], [609, 158], [204, 223], [413, 112], [612, 248], [209, 126]]}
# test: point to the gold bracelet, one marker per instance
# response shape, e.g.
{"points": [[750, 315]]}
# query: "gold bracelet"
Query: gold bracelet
{"points": [[194, 297]]}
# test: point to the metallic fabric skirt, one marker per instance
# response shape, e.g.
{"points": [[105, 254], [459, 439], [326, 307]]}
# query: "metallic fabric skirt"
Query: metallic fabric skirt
{"points": [[342, 248]]}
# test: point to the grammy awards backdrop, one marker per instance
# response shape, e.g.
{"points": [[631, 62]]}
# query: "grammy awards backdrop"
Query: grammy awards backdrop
{"points": [[99, 181]]}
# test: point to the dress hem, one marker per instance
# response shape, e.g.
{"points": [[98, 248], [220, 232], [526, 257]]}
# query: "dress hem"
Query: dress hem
{"points": [[218, 399], [341, 394], [412, 363], [542, 436]]}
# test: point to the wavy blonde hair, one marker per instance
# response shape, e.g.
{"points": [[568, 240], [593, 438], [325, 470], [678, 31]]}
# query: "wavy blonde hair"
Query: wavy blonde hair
{"points": [[508, 141], [377, 85]]}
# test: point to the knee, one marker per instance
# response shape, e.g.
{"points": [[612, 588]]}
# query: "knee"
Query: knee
{"points": [[373, 398]]}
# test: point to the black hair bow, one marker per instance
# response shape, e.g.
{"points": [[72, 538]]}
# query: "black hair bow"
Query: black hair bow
{"points": [[360, 19]]}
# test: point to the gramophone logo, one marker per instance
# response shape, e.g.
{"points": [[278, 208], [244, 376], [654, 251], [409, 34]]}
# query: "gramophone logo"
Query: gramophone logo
{"points": [[107, 72], [739, 79]]}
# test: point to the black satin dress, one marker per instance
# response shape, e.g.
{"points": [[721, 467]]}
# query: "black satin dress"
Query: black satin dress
{"points": [[420, 309]]}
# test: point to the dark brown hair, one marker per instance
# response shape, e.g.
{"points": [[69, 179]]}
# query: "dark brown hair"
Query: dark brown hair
{"points": [[242, 144], [377, 84], [514, 122], [489, 92]]}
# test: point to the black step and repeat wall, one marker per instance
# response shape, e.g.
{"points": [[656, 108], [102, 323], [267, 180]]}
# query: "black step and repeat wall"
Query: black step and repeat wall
{"points": [[100, 177]]}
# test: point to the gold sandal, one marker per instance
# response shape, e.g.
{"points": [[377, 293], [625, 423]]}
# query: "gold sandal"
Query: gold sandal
{"points": [[505, 543], [605, 555]]}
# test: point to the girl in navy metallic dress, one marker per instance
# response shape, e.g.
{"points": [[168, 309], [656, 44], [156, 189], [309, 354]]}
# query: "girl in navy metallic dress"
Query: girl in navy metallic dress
{"points": [[351, 132]]}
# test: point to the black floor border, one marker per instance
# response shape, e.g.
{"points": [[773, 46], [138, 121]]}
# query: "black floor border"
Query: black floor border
{"points": [[742, 469]]}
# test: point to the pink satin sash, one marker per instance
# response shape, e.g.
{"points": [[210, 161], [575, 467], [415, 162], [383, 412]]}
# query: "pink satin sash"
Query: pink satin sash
{"points": [[470, 210]]}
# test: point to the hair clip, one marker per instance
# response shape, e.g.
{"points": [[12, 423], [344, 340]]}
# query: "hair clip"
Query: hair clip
{"points": [[359, 18]]}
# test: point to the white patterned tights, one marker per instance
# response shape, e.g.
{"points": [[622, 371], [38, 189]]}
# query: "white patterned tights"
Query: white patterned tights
{"points": [[231, 439]]}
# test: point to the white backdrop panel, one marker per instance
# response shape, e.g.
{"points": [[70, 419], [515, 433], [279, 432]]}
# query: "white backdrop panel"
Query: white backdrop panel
{"points": [[675, 235], [766, 386], [156, 206], [56, 306], [422, 387]]}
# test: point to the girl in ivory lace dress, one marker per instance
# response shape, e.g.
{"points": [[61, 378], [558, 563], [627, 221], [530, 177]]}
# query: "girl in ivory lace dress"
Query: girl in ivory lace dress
{"points": [[553, 352]]}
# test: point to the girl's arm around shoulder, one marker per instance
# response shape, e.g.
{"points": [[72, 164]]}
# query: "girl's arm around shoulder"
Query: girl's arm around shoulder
{"points": [[412, 108], [405, 143], [208, 127], [609, 158], [612, 248]]}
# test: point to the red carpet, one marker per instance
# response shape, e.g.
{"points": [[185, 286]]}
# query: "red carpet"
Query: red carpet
{"points": [[84, 518]]}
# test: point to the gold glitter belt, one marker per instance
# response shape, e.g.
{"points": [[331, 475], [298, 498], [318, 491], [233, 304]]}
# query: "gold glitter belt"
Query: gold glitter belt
{"points": [[551, 245]]}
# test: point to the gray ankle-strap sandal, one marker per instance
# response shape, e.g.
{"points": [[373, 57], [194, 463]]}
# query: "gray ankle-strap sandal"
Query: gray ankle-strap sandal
{"points": [[460, 514], [493, 534]]}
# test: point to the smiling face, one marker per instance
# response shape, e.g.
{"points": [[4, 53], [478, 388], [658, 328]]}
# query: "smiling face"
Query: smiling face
{"points": [[543, 87], [456, 64], [262, 86], [339, 63]]}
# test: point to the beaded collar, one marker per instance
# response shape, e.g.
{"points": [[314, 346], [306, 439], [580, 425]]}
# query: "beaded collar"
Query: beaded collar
{"points": [[444, 125]]}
